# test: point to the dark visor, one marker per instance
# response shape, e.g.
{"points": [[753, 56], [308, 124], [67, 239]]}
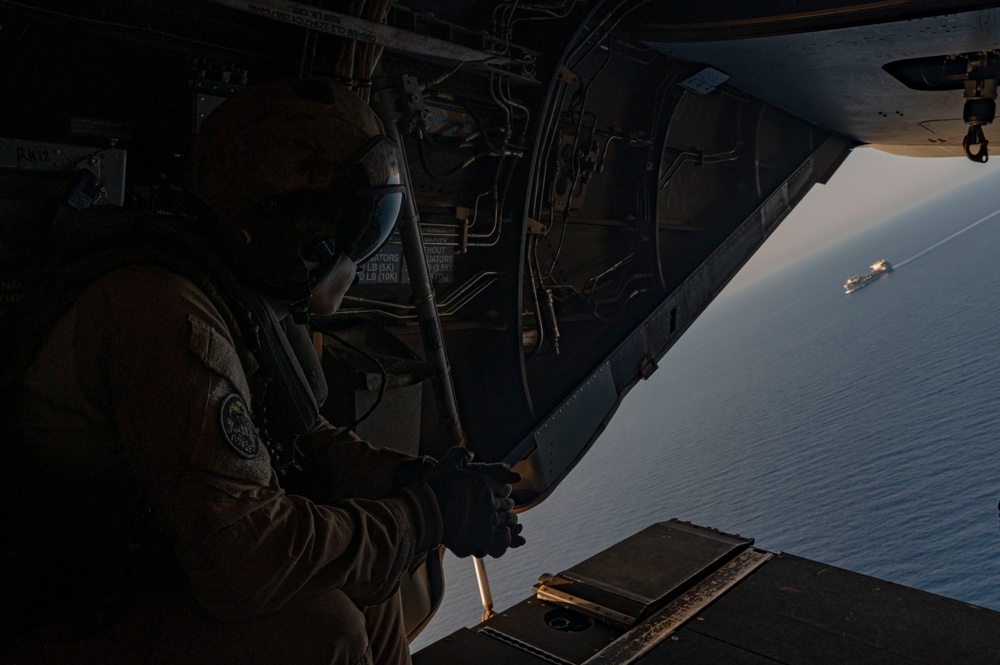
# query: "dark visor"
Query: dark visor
{"points": [[372, 212], [359, 212], [372, 217]]}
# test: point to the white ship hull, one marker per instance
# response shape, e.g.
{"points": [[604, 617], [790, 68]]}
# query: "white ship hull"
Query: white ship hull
{"points": [[879, 268]]}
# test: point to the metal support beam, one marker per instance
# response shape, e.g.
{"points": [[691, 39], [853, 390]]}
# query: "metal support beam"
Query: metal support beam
{"points": [[396, 102], [392, 101], [359, 29]]}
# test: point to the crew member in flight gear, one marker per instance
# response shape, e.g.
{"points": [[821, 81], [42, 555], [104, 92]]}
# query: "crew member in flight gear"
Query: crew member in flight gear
{"points": [[162, 419]]}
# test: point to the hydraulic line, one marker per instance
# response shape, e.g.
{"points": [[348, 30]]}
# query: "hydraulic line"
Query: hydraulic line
{"points": [[539, 323], [448, 306]]}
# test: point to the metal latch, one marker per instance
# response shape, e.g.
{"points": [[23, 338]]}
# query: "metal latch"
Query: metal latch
{"points": [[547, 589]]}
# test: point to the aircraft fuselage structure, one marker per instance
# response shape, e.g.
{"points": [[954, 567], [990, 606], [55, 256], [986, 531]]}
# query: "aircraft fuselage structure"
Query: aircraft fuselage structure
{"points": [[585, 178]]}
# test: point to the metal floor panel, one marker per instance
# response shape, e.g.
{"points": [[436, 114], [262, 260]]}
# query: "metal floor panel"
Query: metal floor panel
{"points": [[794, 611], [565, 634], [756, 609], [657, 563], [688, 647], [633, 579], [467, 647]]}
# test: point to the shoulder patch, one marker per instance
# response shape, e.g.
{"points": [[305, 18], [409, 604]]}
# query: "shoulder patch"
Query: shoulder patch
{"points": [[237, 426]]}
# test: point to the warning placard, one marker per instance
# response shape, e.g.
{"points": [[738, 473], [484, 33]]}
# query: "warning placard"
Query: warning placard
{"points": [[388, 266]]}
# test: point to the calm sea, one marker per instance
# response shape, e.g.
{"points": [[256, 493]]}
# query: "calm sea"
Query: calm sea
{"points": [[859, 430]]}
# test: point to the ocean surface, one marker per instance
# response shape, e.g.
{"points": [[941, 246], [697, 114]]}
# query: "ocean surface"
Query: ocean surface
{"points": [[859, 430]]}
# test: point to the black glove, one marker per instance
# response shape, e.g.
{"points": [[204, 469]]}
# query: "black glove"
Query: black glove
{"points": [[412, 472], [475, 504], [500, 477]]}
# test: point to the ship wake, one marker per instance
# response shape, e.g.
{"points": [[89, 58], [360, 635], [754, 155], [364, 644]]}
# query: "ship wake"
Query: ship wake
{"points": [[952, 236]]}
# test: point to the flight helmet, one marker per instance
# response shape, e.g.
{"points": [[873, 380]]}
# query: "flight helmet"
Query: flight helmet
{"points": [[295, 174]]}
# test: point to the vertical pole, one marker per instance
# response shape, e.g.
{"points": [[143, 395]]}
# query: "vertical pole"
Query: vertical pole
{"points": [[389, 102], [484, 588], [420, 280]]}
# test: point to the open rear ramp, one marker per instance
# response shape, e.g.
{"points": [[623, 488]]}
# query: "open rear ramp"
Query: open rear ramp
{"points": [[683, 594]]}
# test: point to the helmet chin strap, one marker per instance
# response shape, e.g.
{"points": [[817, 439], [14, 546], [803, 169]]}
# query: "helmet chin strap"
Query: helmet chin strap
{"points": [[300, 311]]}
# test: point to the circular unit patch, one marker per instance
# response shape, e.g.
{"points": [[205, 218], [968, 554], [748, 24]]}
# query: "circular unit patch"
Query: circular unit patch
{"points": [[237, 426]]}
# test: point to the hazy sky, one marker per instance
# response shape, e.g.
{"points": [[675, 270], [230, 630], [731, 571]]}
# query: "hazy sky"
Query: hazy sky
{"points": [[869, 188]]}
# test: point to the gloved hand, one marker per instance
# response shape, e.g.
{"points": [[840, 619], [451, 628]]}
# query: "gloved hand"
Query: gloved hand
{"points": [[475, 505], [412, 472], [501, 477]]}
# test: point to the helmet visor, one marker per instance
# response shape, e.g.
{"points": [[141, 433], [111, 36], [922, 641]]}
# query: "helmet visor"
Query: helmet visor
{"points": [[356, 216], [371, 212], [370, 218]]}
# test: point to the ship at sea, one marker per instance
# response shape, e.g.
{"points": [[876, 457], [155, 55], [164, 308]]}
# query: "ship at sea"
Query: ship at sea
{"points": [[878, 268]]}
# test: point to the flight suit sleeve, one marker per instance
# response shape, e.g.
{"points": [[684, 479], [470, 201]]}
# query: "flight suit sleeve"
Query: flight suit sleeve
{"points": [[354, 468], [180, 401]]}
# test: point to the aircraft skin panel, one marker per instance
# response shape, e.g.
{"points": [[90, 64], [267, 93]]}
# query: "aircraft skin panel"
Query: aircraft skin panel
{"points": [[676, 20], [549, 455], [835, 79]]}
